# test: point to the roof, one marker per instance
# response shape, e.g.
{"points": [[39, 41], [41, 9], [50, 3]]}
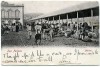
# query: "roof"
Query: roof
{"points": [[83, 6], [6, 4]]}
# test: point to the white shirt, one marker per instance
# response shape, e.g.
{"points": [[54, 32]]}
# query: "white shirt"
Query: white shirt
{"points": [[28, 28], [38, 27]]}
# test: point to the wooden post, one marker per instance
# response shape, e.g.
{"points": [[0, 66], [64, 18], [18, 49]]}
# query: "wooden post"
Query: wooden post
{"points": [[91, 19]]}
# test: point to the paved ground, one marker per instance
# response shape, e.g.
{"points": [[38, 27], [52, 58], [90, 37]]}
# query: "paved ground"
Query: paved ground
{"points": [[20, 39]]}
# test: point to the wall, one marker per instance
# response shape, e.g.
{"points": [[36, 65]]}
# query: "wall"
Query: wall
{"points": [[13, 15]]}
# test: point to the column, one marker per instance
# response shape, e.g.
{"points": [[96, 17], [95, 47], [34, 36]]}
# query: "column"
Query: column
{"points": [[62, 21], [48, 19], [53, 19], [92, 18], [77, 21], [22, 17], [71, 20], [41, 20], [59, 18], [83, 20], [67, 20]]}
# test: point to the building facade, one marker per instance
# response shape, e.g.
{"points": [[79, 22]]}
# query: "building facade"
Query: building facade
{"points": [[11, 13]]}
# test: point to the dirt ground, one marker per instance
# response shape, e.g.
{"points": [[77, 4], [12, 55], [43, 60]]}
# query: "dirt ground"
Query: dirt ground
{"points": [[20, 39]]}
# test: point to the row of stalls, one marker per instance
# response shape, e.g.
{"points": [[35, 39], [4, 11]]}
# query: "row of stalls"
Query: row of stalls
{"points": [[86, 12]]}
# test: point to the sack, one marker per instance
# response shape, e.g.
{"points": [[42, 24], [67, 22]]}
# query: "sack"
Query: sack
{"points": [[87, 39], [65, 34], [95, 35]]}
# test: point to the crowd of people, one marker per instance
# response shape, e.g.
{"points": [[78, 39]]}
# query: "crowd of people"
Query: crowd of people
{"points": [[42, 31], [82, 31], [14, 27], [48, 31]]}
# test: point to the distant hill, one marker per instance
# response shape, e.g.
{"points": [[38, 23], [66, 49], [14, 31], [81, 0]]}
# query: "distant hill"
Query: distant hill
{"points": [[32, 15]]}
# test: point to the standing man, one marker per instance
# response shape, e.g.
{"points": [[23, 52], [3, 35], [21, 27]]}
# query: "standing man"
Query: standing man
{"points": [[44, 28], [72, 26], [51, 33], [29, 31], [85, 28], [38, 27]]}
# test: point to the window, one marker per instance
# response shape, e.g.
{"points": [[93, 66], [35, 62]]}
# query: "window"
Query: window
{"points": [[17, 12], [3, 13], [6, 14], [13, 14], [10, 13]]}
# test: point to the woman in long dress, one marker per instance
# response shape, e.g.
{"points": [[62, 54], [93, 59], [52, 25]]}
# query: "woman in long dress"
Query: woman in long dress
{"points": [[17, 28]]}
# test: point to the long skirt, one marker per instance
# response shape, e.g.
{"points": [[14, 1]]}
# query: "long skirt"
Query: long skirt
{"points": [[17, 29]]}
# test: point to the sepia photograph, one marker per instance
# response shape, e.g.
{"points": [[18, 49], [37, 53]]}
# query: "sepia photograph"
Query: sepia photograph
{"points": [[49, 32]]}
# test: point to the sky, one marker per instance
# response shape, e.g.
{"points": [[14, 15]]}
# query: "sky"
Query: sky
{"points": [[45, 6]]}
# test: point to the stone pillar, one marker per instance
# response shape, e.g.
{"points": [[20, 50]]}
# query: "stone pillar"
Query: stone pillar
{"points": [[48, 19], [59, 18], [67, 20], [92, 18], [53, 19], [77, 21]]}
